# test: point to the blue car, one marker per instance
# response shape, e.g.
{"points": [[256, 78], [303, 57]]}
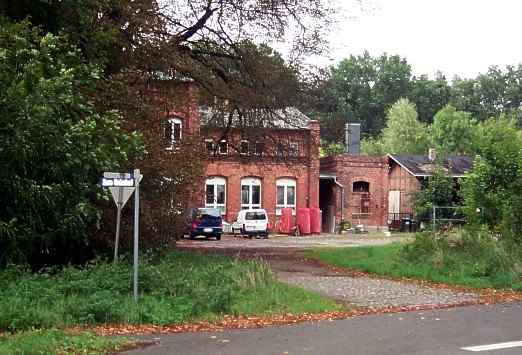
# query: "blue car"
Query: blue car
{"points": [[206, 222]]}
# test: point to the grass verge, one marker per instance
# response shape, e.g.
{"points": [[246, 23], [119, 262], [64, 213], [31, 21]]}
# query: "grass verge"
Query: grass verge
{"points": [[174, 288], [449, 266], [54, 341]]}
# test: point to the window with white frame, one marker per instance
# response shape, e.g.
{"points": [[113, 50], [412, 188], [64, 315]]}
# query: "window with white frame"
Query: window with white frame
{"points": [[215, 193], [209, 146], [286, 194], [250, 193], [223, 147], [172, 132], [293, 150], [244, 147]]}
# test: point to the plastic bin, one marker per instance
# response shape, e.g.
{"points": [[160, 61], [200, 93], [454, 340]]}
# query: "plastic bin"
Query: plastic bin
{"points": [[315, 220], [303, 220]]}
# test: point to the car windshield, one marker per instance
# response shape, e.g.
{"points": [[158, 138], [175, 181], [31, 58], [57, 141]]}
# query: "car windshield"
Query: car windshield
{"points": [[255, 216], [212, 212]]}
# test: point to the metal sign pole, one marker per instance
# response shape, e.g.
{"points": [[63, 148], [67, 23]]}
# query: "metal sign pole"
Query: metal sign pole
{"points": [[118, 222], [136, 229]]}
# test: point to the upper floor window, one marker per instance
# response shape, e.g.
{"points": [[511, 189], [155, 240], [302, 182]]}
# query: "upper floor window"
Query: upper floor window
{"points": [[293, 150], [223, 147], [361, 186], [250, 193], [209, 146], [259, 147], [244, 147], [280, 150], [286, 194], [172, 132]]}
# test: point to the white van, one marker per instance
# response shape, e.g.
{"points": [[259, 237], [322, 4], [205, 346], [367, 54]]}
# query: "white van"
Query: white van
{"points": [[251, 223]]}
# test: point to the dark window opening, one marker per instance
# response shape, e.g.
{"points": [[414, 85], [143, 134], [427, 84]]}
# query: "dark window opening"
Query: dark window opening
{"points": [[280, 150], [361, 186], [258, 149], [176, 137], [244, 148]]}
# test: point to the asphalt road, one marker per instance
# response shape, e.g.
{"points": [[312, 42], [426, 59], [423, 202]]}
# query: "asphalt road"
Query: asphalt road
{"points": [[428, 333]]}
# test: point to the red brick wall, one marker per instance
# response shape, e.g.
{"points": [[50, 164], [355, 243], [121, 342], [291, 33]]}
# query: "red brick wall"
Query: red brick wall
{"points": [[350, 169], [304, 170], [268, 173]]}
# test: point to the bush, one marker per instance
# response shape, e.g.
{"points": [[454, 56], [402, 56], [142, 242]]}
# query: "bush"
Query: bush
{"points": [[54, 147], [472, 252], [174, 288]]}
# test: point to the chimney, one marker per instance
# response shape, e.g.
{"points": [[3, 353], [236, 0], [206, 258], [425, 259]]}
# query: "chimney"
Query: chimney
{"points": [[352, 138], [432, 154]]}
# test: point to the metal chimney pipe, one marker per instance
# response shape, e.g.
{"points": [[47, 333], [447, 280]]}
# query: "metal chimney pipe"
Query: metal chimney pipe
{"points": [[352, 138]]}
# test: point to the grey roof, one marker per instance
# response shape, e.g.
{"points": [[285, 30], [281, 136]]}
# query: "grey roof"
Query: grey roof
{"points": [[421, 165], [287, 118]]}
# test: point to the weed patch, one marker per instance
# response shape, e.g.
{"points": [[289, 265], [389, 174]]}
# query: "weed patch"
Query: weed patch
{"points": [[174, 288]]}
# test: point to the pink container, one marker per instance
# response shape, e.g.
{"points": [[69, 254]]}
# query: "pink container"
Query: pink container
{"points": [[286, 222], [315, 220], [303, 220]]}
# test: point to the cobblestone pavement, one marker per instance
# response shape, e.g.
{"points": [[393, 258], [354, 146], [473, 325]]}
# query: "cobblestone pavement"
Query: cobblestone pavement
{"points": [[376, 293], [361, 291]]}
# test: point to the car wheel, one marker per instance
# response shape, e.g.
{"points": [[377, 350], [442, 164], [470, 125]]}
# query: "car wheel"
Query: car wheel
{"points": [[192, 236], [218, 236]]}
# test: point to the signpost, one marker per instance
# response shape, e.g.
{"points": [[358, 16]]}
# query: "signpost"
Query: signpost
{"points": [[122, 185], [137, 178]]}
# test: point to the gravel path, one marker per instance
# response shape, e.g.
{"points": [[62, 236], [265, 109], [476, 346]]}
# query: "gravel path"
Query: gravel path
{"points": [[361, 291], [291, 243], [285, 257], [375, 293]]}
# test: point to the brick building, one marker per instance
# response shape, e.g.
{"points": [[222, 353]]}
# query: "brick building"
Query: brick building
{"points": [[280, 167], [282, 171], [353, 188], [408, 175], [374, 191], [277, 169]]}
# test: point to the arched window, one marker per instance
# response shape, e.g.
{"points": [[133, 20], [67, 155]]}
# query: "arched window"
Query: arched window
{"points": [[361, 186], [215, 193], [172, 132], [250, 193], [286, 194]]}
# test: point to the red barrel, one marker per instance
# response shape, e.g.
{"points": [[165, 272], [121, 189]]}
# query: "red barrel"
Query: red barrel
{"points": [[315, 220], [285, 225], [303, 220]]}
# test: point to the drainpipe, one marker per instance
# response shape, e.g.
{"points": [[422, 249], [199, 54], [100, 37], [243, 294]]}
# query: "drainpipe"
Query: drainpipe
{"points": [[342, 198]]}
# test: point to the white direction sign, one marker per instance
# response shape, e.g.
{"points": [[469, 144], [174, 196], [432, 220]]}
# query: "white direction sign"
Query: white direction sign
{"points": [[117, 180]]}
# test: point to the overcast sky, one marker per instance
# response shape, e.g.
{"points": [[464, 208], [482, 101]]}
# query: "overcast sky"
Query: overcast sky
{"points": [[461, 37]]}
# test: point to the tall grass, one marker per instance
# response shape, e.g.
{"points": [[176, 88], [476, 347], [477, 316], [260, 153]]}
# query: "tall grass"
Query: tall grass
{"points": [[459, 262], [174, 288], [54, 341]]}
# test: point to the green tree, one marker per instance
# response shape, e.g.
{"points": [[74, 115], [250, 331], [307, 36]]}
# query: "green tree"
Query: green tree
{"points": [[404, 134], [491, 190], [453, 132], [438, 191], [429, 95], [365, 88], [53, 147]]}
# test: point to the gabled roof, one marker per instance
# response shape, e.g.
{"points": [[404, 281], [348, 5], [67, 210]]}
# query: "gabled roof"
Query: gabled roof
{"points": [[287, 118], [421, 165]]}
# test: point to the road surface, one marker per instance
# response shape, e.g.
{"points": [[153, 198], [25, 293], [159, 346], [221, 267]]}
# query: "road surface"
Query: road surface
{"points": [[440, 332]]}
